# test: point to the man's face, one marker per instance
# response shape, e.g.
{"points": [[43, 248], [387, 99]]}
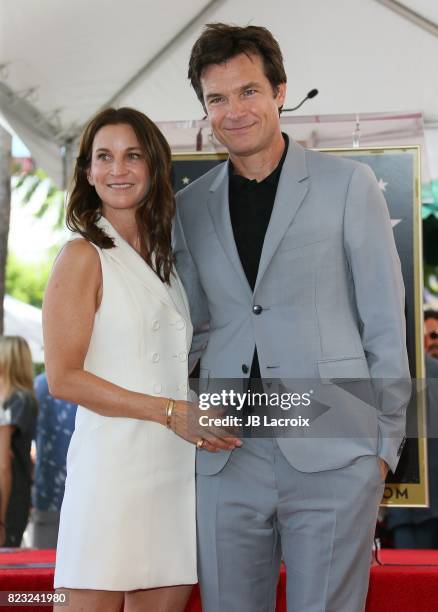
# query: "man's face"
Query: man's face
{"points": [[431, 337], [241, 105]]}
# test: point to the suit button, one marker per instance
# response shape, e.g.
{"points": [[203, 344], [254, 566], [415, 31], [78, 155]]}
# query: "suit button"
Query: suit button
{"points": [[155, 325], [180, 324], [155, 357], [245, 368], [257, 309], [182, 356]]}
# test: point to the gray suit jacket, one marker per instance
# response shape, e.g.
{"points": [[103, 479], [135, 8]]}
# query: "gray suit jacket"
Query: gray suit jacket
{"points": [[331, 288]]}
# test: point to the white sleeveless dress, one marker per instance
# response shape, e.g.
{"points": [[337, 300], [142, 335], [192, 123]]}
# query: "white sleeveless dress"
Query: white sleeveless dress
{"points": [[128, 514]]}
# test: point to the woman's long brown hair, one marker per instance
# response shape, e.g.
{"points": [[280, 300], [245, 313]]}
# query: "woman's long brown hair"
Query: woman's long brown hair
{"points": [[154, 215]]}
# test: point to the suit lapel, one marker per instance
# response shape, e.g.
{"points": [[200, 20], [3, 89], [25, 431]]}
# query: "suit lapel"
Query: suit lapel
{"points": [[135, 265], [292, 188], [218, 205]]}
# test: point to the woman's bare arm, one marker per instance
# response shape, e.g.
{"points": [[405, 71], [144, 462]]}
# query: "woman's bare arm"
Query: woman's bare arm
{"points": [[70, 303]]}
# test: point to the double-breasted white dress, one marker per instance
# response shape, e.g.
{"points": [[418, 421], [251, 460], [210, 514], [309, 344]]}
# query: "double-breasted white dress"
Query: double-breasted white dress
{"points": [[128, 515]]}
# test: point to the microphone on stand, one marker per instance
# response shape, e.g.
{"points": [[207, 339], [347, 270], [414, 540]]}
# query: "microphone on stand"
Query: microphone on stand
{"points": [[312, 93]]}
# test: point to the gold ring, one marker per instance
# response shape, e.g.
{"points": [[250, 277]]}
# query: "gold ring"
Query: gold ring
{"points": [[200, 443]]}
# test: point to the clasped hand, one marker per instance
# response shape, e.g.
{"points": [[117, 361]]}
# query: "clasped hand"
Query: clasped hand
{"points": [[185, 423]]}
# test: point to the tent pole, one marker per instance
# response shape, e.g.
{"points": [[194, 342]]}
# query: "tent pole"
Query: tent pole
{"points": [[144, 69], [5, 211], [66, 151], [411, 16]]}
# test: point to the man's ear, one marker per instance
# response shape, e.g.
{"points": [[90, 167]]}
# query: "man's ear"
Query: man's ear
{"points": [[280, 94]]}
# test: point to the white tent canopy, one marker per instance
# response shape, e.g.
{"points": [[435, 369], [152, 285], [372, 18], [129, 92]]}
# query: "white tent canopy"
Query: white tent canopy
{"points": [[62, 61], [25, 320]]}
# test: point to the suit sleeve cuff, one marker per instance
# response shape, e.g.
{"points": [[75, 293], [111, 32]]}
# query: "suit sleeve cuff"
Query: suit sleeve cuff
{"points": [[390, 450]]}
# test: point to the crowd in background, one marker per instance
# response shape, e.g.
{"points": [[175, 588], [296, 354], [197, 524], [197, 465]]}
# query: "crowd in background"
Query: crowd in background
{"points": [[35, 431]]}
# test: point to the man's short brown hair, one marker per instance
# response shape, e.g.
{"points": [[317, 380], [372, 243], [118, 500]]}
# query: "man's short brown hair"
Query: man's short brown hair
{"points": [[220, 42]]}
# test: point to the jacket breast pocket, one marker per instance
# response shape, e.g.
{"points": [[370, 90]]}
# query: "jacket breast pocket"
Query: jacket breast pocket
{"points": [[290, 250]]}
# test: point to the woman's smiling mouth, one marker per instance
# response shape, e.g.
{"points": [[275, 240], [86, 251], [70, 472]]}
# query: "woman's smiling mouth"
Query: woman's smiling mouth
{"points": [[120, 185]]}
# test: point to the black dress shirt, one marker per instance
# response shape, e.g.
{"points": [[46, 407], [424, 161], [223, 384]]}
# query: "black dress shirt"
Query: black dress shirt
{"points": [[251, 205]]}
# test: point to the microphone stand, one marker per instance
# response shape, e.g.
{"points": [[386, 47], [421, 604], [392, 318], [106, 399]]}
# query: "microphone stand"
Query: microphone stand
{"points": [[312, 93]]}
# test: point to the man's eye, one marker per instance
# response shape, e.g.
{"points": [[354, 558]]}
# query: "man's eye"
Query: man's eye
{"points": [[216, 100], [249, 92]]}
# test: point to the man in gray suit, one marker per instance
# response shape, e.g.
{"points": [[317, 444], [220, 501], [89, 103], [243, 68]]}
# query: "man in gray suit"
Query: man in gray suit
{"points": [[289, 262]]}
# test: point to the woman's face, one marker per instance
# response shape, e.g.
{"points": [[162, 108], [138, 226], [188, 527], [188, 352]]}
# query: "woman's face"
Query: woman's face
{"points": [[118, 169]]}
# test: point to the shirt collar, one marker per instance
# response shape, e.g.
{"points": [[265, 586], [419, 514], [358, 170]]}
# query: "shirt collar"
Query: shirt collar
{"points": [[271, 179]]}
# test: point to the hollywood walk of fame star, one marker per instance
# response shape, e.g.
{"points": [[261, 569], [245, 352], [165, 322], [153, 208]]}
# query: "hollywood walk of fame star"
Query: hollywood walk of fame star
{"points": [[382, 185]]}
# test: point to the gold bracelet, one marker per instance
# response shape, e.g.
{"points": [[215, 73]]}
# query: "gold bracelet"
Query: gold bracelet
{"points": [[169, 409]]}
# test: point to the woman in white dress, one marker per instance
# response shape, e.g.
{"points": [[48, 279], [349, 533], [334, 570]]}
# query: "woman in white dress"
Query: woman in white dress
{"points": [[117, 334]]}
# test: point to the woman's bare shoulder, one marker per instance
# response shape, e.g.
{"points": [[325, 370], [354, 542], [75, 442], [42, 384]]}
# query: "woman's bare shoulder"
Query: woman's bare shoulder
{"points": [[78, 253], [80, 247], [78, 261]]}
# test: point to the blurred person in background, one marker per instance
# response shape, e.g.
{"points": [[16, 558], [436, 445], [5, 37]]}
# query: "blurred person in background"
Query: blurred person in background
{"points": [[55, 426], [418, 527], [431, 333], [19, 411]]}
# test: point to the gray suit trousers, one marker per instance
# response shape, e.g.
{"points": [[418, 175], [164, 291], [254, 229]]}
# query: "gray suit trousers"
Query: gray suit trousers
{"points": [[259, 509]]}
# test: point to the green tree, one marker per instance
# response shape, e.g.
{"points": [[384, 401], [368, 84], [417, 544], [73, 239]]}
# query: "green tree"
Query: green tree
{"points": [[27, 281], [38, 180]]}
